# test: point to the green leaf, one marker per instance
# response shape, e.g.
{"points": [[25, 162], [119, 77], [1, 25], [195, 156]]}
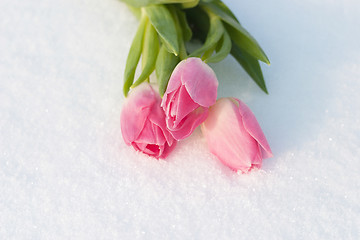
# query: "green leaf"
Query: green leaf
{"points": [[247, 43], [251, 66], [220, 9], [224, 49], [165, 64], [210, 0], [144, 3], [209, 52], [185, 28], [215, 33], [192, 4], [175, 13], [225, 9], [150, 52], [237, 32], [160, 17], [199, 22], [134, 55]]}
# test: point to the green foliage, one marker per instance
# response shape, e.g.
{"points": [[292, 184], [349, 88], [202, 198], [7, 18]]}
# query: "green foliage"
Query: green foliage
{"points": [[251, 66], [165, 64], [149, 55], [163, 21], [144, 3], [238, 34], [134, 55], [223, 49], [165, 26], [185, 28], [192, 4], [215, 33]]}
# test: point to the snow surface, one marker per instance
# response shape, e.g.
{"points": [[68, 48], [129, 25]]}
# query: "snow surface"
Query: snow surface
{"points": [[65, 172]]}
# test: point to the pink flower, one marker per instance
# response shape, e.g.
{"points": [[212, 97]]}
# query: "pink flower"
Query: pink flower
{"points": [[234, 135], [192, 89], [143, 123]]}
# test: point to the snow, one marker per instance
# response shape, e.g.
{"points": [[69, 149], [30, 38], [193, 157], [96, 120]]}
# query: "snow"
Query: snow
{"points": [[65, 172]]}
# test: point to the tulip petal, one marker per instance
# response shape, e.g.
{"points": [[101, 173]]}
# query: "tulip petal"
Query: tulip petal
{"points": [[138, 147], [227, 139], [254, 129], [168, 100], [184, 105], [149, 149], [168, 149], [187, 126], [159, 134], [175, 78], [147, 134], [143, 123], [157, 117], [192, 84], [135, 112], [173, 86], [153, 150], [200, 81]]}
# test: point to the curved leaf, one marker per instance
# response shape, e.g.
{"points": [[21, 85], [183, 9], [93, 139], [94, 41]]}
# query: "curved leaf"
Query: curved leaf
{"points": [[186, 30], [215, 33], [199, 21], [175, 12], [192, 4], [221, 10], [237, 32], [251, 66], [209, 52], [144, 3], [150, 52], [165, 64], [160, 17], [247, 43], [223, 51], [134, 56]]}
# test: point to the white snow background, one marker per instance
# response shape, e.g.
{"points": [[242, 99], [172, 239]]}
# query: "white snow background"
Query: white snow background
{"points": [[65, 172]]}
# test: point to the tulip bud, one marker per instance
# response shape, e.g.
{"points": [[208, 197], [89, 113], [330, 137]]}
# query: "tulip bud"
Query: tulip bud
{"points": [[143, 123], [234, 135], [192, 89]]}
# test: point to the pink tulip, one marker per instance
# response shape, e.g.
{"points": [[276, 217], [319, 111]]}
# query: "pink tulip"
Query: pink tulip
{"points": [[192, 89], [143, 123], [234, 135]]}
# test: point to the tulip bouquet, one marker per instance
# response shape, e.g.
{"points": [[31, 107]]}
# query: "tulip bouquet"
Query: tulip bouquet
{"points": [[183, 95]]}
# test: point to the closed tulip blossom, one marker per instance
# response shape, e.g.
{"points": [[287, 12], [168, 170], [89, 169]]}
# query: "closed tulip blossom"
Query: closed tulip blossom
{"points": [[143, 123], [191, 90], [234, 135]]}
